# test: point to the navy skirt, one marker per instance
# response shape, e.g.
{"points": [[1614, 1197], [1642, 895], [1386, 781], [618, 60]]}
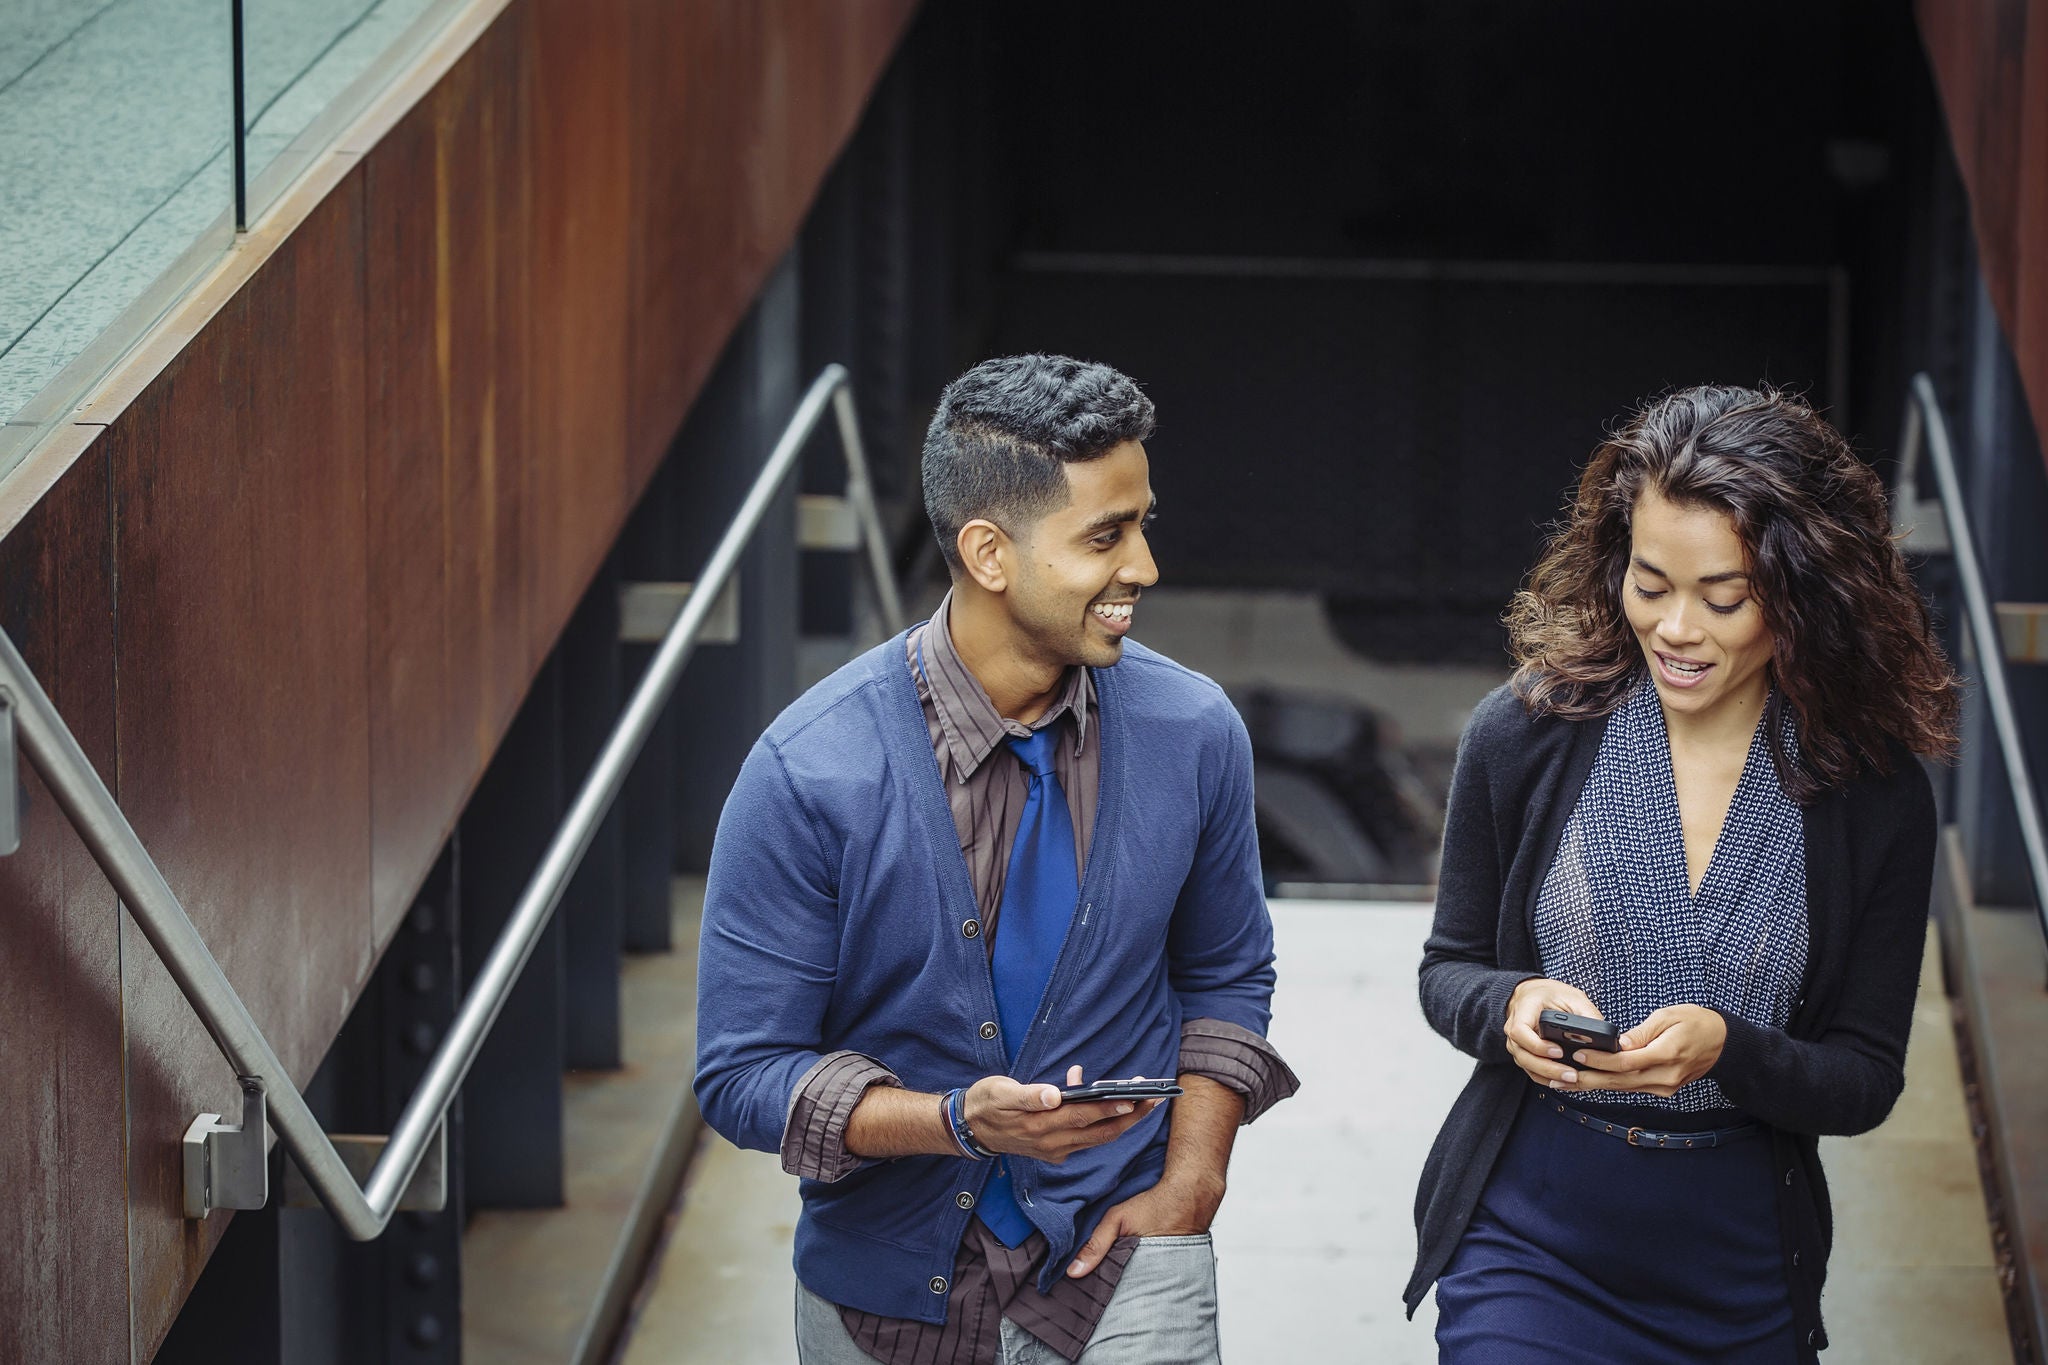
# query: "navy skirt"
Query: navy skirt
{"points": [[1585, 1249]]}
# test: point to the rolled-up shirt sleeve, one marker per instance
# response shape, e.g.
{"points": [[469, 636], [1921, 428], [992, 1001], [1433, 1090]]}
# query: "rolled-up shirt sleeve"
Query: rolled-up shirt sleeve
{"points": [[814, 1134], [1237, 1059]]}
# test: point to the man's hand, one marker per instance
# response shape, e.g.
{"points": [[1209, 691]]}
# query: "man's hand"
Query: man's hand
{"points": [[1191, 1189], [1030, 1120], [1006, 1116], [1168, 1209], [1531, 1051], [1666, 1052]]}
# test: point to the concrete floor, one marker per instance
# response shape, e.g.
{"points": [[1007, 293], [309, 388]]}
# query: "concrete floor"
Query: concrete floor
{"points": [[549, 1286], [1311, 1266]]}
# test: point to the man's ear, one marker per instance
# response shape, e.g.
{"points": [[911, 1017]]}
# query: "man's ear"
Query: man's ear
{"points": [[983, 546]]}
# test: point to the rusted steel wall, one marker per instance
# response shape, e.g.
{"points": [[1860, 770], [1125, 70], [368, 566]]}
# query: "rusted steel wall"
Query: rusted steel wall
{"points": [[1990, 60], [64, 1257], [292, 594]]}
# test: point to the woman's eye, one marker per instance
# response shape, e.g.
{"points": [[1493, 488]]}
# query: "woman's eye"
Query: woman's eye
{"points": [[1646, 594], [1728, 610]]}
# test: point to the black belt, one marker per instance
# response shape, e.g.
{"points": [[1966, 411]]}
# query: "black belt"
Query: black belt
{"points": [[1648, 1137]]}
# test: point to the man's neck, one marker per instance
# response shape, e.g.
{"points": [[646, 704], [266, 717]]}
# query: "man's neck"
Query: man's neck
{"points": [[1022, 687]]}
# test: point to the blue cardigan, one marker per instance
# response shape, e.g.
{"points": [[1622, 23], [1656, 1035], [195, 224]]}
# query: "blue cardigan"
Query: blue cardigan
{"points": [[832, 920]]}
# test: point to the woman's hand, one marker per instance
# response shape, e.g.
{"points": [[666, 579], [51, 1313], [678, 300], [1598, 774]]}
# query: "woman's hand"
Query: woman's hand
{"points": [[1667, 1051], [1532, 1052]]}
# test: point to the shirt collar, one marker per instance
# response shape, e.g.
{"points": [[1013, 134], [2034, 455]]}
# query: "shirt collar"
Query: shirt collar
{"points": [[968, 719]]}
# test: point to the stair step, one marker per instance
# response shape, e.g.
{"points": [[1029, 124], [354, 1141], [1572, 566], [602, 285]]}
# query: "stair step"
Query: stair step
{"points": [[552, 1286], [2000, 976]]}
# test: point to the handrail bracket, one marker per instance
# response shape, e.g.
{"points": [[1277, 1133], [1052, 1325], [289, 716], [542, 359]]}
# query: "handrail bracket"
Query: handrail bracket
{"points": [[227, 1165]]}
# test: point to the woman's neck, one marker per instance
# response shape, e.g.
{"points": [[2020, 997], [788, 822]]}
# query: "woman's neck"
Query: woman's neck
{"points": [[1727, 727]]}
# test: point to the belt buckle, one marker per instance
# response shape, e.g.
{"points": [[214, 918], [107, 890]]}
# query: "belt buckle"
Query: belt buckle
{"points": [[1630, 1137]]}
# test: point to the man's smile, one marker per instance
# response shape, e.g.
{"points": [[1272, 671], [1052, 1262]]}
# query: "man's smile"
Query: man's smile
{"points": [[1115, 615]]}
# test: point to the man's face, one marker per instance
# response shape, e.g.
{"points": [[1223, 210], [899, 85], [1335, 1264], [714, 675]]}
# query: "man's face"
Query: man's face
{"points": [[1080, 569]]}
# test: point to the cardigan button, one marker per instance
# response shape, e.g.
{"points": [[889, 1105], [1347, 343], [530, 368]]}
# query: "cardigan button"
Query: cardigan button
{"points": [[965, 1199], [938, 1284], [1795, 1258], [988, 1030], [1788, 1179], [972, 928]]}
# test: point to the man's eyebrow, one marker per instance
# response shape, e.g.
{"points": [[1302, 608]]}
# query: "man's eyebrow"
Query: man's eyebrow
{"points": [[1647, 567], [1110, 519]]}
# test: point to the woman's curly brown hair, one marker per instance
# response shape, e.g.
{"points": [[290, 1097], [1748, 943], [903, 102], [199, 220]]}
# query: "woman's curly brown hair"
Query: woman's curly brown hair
{"points": [[1852, 650]]}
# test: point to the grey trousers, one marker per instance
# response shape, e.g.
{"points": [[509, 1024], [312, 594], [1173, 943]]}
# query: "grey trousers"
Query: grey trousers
{"points": [[1163, 1313]]}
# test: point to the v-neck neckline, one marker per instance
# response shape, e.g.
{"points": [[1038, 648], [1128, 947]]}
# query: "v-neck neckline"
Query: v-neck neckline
{"points": [[1694, 895], [954, 874]]}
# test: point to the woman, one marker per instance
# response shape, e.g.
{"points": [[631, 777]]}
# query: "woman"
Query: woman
{"points": [[1694, 812]]}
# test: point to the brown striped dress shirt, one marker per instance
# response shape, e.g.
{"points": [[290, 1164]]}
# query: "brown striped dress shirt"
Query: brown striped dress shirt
{"points": [[992, 1281]]}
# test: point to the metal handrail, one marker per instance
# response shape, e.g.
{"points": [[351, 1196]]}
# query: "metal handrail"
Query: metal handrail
{"points": [[363, 1211], [1926, 425]]}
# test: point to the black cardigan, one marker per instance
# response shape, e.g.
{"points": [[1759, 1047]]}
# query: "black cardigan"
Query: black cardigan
{"points": [[1836, 1068]]}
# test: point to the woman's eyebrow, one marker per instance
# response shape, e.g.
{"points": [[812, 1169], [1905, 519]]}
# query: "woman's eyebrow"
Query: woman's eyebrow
{"points": [[1647, 567]]}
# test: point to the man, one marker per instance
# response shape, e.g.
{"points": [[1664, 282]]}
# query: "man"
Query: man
{"points": [[902, 958]]}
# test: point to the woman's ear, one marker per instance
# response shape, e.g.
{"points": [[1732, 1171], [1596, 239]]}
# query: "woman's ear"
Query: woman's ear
{"points": [[983, 545]]}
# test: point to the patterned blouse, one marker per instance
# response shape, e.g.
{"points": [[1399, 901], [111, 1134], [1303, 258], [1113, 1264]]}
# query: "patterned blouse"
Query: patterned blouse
{"points": [[1617, 916]]}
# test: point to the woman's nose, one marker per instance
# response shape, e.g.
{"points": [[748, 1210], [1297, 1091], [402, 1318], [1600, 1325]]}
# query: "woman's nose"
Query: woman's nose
{"points": [[1678, 624]]}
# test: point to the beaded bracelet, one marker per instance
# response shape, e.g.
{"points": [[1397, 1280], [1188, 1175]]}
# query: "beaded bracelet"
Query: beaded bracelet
{"points": [[954, 1107]]}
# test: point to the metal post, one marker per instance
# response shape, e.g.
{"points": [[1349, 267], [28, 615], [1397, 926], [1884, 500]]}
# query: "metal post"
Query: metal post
{"points": [[860, 491], [1924, 420], [10, 781]]}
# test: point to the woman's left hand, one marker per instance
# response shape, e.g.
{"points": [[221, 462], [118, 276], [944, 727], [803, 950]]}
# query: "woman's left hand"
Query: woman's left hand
{"points": [[1667, 1051]]}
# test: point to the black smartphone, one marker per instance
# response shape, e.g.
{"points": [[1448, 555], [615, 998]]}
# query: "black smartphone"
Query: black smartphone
{"points": [[1136, 1088], [1571, 1031]]}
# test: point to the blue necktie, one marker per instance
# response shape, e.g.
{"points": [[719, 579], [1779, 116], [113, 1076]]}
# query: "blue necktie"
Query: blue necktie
{"points": [[1038, 903]]}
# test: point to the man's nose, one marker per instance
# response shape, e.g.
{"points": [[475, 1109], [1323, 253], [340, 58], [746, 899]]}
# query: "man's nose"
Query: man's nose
{"points": [[1139, 571]]}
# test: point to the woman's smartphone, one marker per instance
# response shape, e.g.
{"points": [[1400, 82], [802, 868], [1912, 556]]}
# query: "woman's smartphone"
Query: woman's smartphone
{"points": [[1136, 1088], [1570, 1031]]}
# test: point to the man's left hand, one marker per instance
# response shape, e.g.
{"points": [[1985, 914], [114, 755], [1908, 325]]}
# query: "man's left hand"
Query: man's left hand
{"points": [[1660, 1056], [1189, 1192], [1172, 1208]]}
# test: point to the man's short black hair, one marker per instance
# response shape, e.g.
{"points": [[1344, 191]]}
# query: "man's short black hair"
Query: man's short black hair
{"points": [[1004, 429]]}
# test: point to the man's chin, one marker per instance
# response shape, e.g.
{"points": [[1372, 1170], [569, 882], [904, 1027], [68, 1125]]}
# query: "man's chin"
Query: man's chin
{"points": [[1103, 653]]}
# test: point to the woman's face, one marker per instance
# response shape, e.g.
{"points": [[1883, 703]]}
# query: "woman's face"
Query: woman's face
{"points": [[1688, 599]]}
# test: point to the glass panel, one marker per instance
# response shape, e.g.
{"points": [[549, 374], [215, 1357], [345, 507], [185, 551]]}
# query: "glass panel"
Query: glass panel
{"points": [[310, 65], [116, 185]]}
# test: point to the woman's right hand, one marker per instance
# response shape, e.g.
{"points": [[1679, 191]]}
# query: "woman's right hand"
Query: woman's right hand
{"points": [[1532, 1052]]}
